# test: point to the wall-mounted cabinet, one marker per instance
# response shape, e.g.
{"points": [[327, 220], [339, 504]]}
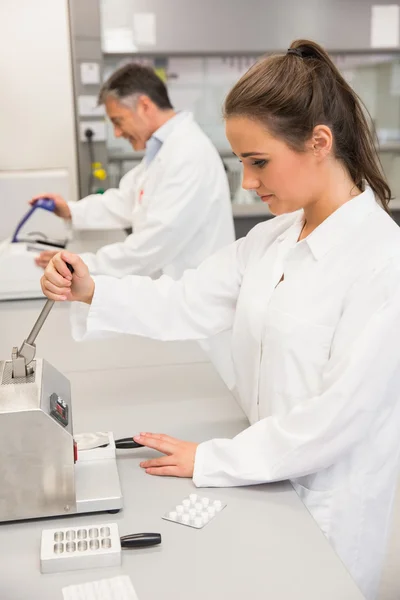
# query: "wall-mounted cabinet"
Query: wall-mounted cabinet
{"points": [[227, 26]]}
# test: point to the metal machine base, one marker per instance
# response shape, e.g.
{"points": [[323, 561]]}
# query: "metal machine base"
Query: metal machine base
{"points": [[97, 486]]}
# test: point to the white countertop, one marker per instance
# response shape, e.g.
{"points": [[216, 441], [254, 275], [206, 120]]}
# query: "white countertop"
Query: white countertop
{"points": [[263, 545]]}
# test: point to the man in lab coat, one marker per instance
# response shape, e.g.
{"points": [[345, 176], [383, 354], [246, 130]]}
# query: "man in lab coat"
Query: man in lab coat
{"points": [[176, 200]]}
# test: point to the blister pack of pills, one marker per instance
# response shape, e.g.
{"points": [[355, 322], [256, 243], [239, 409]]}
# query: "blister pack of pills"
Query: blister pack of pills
{"points": [[194, 511], [71, 548], [116, 588]]}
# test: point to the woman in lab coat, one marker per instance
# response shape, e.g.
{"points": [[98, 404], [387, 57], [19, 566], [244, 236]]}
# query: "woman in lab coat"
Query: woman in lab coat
{"points": [[313, 297]]}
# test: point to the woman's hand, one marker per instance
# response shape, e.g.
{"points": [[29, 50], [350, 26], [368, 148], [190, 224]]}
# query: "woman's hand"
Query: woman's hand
{"points": [[179, 459], [59, 284]]}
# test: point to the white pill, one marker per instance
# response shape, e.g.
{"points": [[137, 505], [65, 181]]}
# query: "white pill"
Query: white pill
{"points": [[180, 509], [193, 498], [198, 506], [185, 518], [173, 515], [206, 501], [192, 512], [205, 517], [198, 522], [218, 505], [186, 503], [211, 511]]}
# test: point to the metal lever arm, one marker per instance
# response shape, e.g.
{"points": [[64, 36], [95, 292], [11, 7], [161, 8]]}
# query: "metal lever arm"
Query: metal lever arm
{"points": [[30, 340], [23, 357]]}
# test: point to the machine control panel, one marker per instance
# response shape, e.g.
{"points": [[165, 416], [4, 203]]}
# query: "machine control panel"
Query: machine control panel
{"points": [[59, 409]]}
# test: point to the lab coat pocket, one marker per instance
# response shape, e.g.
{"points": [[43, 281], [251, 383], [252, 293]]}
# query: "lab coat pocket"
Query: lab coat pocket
{"points": [[319, 505], [297, 352]]}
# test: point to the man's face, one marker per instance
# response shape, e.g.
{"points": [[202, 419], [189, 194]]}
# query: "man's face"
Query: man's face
{"points": [[131, 124]]}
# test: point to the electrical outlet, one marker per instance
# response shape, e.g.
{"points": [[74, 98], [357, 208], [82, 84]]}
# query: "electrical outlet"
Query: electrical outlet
{"points": [[98, 128]]}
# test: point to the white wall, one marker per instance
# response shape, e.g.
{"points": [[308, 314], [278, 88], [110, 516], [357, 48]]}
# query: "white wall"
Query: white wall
{"points": [[37, 127]]}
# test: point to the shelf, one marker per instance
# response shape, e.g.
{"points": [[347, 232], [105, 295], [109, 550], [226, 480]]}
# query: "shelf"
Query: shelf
{"points": [[389, 147], [258, 209], [261, 210], [165, 53], [394, 204], [124, 156], [128, 156]]}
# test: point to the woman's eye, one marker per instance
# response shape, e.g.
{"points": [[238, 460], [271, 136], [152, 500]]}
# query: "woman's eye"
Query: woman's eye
{"points": [[259, 163]]}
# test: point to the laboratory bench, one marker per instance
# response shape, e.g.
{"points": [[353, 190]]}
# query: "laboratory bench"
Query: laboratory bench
{"points": [[55, 342], [264, 544]]}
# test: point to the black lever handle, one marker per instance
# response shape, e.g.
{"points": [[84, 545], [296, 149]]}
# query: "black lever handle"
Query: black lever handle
{"points": [[140, 540], [127, 443]]}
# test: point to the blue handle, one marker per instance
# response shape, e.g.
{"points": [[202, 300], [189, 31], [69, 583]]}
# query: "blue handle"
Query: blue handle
{"points": [[45, 203]]}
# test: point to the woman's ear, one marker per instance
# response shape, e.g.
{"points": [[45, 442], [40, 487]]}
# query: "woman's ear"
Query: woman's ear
{"points": [[321, 141]]}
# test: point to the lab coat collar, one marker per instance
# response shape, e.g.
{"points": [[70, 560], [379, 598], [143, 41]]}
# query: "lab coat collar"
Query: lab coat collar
{"points": [[291, 235], [154, 144], [341, 223], [164, 131], [336, 227]]}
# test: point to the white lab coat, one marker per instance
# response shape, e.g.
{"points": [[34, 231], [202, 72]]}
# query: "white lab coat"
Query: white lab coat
{"points": [[178, 207], [317, 361]]}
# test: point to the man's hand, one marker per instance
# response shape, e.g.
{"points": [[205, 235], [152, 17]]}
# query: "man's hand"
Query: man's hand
{"points": [[45, 257], [59, 284], [179, 459], [61, 207]]}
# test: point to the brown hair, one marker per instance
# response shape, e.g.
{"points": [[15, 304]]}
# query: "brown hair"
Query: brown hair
{"points": [[294, 92]]}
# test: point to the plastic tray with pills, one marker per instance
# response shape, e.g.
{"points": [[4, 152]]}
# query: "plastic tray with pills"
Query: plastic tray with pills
{"points": [[194, 511]]}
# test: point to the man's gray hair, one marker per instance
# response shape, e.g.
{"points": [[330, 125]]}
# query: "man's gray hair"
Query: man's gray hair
{"points": [[133, 80]]}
